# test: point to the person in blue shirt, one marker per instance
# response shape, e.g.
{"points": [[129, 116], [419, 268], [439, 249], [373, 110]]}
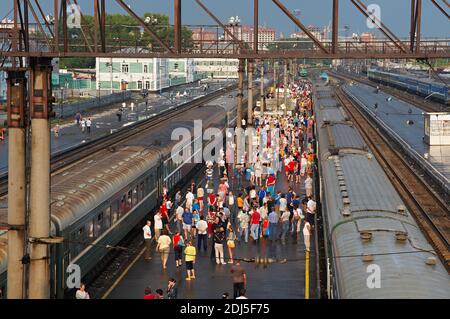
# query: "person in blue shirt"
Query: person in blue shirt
{"points": [[195, 220], [261, 194], [277, 199], [273, 224], [187, 222], [196, 206]]}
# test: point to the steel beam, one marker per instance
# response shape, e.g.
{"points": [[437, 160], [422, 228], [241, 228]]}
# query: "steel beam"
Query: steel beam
{"points": [[103, 24], [96, 25], [16, 105], [33, 12], [381, 26], [142, 23], [335, 31], [433, 52], [437, 5], [217, 20], [299, 24], [64, 25], [44, 18], [56, 24], [412, 32], [418, 25], [177, 25]]}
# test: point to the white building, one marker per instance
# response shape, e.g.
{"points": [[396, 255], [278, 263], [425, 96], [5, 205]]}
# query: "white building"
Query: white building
{"points": [[183, 71], [132, 74], [217, 68]]}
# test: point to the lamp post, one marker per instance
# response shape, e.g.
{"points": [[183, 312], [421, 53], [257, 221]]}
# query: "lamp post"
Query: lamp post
{"points": [[110, 65]]}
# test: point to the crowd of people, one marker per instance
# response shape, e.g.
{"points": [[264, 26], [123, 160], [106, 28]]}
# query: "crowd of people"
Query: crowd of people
{"points": [[247, 203]]}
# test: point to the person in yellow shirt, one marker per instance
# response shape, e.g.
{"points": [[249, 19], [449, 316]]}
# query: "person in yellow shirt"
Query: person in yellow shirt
{"points": [[190, 253]]}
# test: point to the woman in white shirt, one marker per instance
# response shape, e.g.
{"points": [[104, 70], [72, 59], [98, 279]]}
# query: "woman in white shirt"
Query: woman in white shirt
{"points": [[163, 248], [307, 235], [82, 293]]}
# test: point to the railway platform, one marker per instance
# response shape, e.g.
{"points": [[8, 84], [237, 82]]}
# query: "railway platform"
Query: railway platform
{"points": [[405, 123], [293, 276], [105, 121]]}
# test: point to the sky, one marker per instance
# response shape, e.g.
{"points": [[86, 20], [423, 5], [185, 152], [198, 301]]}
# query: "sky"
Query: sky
{"points": [[394, 13]]}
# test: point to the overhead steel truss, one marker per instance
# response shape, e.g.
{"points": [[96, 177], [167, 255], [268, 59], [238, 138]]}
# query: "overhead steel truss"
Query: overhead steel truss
{"points": [[32, 35]]}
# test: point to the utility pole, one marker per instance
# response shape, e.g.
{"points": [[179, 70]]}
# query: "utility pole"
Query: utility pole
{"points": [[240, 94], [275, 80], [16, 105], [263, 99], [39, 222], [285, 86], [250, 92]]}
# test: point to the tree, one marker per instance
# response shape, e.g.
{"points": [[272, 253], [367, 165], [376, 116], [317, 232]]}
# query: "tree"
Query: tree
{"points": [[122, 31]]}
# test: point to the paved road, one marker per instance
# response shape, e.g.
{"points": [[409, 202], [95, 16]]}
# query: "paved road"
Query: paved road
{"points": [[105, 121]]}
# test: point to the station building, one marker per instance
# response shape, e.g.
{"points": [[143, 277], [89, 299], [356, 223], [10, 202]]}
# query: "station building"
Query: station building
{"points": [[216, 68], [132, 74]]}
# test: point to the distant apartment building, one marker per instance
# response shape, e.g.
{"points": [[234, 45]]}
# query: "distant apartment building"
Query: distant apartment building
{"points": [[317, 32], [204, 35], [246, 34], [265, 36]]}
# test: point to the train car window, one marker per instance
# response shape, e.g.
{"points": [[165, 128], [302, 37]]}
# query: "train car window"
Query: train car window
{"points": [[123, 205], [115, 211], [99, 225], [129, 199], [107, 218], [79, 240], [142, 191], [90, 229], [135, 196]]}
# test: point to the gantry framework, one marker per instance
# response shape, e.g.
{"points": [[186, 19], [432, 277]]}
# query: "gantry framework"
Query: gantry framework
{"points": [[33, 35]]}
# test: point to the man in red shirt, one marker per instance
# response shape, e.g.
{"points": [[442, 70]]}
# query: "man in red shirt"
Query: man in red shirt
{"points": [[254, 228], [271, 184], [148, 294], [212, 200]]}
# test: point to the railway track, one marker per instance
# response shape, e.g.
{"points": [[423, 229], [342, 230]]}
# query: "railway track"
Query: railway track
{"points": [[75, 154], [430, 212], [401, 95]]}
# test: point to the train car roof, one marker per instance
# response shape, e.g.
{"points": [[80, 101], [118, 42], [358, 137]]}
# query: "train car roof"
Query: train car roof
{"points": [[425, 80], [86, 185], [359, 199]]}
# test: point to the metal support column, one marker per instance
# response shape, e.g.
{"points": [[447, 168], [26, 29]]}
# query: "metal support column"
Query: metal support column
{"points": [[275, 81], [412, 32], [285, 86], [64, 25], [177, 25], [418, 24], [56, 24], [335, 31], [255, 25], [39, 222], [250, 67], [240, 94], [263, 97], [16, 105]]}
